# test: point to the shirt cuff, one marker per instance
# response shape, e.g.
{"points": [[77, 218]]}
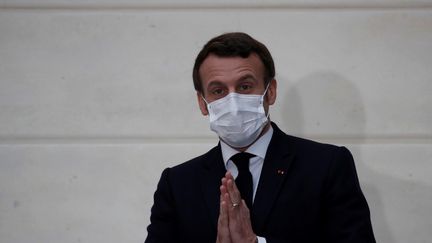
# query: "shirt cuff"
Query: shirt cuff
{"points": [[261, 240]]}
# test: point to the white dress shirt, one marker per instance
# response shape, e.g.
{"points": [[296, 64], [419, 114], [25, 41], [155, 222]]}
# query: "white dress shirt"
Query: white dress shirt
{"points": [[259, 149]]}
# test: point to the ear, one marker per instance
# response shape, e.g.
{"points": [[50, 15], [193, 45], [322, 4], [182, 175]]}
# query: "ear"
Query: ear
{"points": [[271, 92], [202, 104]]}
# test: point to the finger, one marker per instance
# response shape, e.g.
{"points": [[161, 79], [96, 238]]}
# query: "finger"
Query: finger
{"points": [[228, 175], [229, 185], [244, 211], [223, 215], [233, 191], [223, 235], [240, 224], [224, 181], [223, 188], [233, 211]]}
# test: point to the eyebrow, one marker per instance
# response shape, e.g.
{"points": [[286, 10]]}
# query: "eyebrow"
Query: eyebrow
{"points": [[247, 76], [217, 83]]}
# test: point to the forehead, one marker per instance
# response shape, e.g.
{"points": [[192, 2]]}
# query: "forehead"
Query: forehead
{"points": [[230, 69]]}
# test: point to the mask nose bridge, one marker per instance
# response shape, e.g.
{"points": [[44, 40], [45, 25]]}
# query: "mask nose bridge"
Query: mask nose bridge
{"points": [[233, 103]]}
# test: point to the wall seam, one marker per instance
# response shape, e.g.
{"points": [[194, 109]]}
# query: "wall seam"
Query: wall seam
{"points": [[237, 7]]}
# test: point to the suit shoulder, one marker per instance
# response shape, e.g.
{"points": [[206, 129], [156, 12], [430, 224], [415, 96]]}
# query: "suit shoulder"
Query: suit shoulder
{"points": [[306, 148], [197, 162], [298, 144], [304, 143]]}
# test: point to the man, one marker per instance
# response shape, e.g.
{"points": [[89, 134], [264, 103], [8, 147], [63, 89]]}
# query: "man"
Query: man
{"points": [[258, 184]]}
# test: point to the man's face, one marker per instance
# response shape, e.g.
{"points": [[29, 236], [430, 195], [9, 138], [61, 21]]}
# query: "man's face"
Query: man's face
{"points": [[223, 75]]}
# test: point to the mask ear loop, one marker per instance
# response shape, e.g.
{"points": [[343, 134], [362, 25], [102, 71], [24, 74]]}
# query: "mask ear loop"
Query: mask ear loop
{"points": [[262, 100], [204, 99], [208, 105], [265, 92]]}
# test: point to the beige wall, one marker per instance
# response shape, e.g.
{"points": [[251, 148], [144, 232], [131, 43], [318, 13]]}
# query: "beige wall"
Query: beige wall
{"points": [[96, 98]]}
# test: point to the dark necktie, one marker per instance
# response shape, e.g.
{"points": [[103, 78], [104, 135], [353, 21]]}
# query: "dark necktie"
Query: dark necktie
{"points": [[244, 179]]}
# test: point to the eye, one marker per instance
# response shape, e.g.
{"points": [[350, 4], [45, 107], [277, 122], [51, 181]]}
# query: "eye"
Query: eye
{"points": [[217, 91], [245, 87]]}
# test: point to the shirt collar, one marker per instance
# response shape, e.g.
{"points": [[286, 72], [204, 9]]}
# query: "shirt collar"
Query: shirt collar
{"points": [[258, 148]]}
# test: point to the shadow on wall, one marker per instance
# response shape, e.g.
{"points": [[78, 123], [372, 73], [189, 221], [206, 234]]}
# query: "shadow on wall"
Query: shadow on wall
{"points": [[326, 105]]}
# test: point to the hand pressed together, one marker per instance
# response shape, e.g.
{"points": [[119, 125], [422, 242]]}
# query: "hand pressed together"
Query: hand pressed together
{"points": [[234, 224]]}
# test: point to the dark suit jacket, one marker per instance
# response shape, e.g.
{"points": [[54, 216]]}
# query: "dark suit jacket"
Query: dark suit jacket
{"points": [[308, 192]]}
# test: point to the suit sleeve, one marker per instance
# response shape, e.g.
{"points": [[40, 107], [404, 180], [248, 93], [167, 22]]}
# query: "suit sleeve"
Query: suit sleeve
{"points": [[346, 213], [162, 226]]}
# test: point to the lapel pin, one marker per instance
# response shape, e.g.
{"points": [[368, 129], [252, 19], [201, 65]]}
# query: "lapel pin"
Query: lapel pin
{"points": [[280, 172]]}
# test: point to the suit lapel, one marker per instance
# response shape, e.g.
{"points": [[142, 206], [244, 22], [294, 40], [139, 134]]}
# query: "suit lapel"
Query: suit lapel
{"points": [[278, 159], [213, 172]]}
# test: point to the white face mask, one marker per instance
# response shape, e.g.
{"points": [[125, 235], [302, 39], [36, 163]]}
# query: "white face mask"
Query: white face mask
{"points": [[238, 119]]}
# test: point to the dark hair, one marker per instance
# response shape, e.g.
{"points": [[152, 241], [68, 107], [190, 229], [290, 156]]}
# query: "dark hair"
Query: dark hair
{"points": [[232, 45]]}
